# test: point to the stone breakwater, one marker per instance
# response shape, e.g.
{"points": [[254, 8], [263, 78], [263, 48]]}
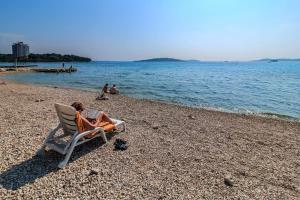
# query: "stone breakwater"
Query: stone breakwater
{"points": [[174, 152], [44, 69]]}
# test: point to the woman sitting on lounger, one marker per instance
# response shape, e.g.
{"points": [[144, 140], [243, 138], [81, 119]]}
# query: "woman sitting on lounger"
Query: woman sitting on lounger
{"points": [[85, 124]]}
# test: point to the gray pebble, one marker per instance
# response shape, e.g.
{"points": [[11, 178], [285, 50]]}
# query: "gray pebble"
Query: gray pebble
{"points": [[228, 180]]}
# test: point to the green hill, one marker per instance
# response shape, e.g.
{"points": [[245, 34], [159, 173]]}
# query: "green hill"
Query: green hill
{"points": [[161, 60]]}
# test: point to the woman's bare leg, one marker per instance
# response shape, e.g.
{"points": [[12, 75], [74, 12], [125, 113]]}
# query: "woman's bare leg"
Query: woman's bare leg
{"points": [[99, 118], [106, 118], [103, 117]]}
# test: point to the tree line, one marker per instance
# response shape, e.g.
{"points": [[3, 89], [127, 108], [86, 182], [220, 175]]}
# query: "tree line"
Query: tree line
{"points": [[48, 57]]}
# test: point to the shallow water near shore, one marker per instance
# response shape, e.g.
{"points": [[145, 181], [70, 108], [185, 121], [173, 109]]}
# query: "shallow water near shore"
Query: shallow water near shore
{"points": [[267, 88]]}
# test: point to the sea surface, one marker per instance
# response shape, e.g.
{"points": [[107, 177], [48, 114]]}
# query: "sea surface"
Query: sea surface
{"points": [[258, 87]]}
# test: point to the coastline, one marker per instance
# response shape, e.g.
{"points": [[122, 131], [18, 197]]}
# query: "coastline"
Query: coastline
{"points": [[175, 151], [270, 115], [231, 93]]}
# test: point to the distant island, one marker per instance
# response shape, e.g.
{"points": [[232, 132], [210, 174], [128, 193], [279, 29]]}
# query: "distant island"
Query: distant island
{"points": [[161, 60], [49, 57], [178, 60], [277, 60]]}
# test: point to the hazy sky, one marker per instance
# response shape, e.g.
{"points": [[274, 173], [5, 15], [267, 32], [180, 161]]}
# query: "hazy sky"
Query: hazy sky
{"points": [[138, 29]]}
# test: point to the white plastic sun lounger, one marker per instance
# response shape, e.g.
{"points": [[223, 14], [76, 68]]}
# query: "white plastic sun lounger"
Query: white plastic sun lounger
{"points": [[66, 115]]}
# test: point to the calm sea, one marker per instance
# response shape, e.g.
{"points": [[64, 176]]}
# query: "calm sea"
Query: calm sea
{"points": [[247, 87]]}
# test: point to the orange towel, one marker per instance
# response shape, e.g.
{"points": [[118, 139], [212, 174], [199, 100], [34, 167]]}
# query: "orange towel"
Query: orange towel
{"points": [[79, 122], [107, 126]]}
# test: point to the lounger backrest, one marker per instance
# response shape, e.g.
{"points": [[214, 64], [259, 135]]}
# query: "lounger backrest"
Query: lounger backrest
{"points": [[66, 115]]}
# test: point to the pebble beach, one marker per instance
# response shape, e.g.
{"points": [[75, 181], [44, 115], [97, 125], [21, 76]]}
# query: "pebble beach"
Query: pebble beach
{"points": [[175, 152]]}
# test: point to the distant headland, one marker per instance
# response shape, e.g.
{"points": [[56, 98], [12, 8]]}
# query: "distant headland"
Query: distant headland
{"points": [[278, 59], [161, 60], [178, 60], [48, 57]]}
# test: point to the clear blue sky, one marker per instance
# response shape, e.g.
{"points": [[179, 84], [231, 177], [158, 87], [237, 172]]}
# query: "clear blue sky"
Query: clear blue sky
{"points": [[138, 29]]}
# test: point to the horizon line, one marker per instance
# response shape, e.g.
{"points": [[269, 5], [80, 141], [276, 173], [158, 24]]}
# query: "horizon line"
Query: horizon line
{"points": [[198, 60]]}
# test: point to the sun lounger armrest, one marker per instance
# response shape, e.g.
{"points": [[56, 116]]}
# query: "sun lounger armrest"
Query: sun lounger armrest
{"points": [[53, 131], [81, 135]]}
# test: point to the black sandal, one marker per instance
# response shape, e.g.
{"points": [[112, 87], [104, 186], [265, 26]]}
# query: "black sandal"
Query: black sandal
{"points": [[120, 145]]}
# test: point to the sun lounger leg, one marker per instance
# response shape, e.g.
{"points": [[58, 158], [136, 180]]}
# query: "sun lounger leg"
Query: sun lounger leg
{"points": [[64, 162], [104, 137], [124, 127], [41, 151]]}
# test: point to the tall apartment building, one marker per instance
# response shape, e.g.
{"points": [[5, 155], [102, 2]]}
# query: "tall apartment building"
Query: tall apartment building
{"points": [[20, 49]]}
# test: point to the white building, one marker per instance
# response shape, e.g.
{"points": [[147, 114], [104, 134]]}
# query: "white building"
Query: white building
{"points": [[20, 49]]}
